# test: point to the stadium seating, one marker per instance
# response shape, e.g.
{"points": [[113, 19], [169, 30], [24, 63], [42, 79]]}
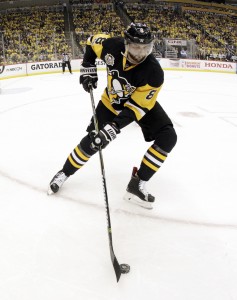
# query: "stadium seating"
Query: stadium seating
{"points": [[38, 33]]}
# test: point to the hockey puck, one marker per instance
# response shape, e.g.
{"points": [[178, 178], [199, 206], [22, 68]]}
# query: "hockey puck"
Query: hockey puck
{"points": [[124, 268]]}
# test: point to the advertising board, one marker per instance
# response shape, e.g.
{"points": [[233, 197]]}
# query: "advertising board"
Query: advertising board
{"points": [[47, 67]]}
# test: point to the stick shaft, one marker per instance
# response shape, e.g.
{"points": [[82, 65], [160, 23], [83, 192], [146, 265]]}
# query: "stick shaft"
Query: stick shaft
{"points": [[109, 228]]}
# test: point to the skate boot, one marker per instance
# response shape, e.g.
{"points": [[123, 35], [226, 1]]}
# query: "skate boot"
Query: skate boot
{"points": [[57, 181], [136, 192]]}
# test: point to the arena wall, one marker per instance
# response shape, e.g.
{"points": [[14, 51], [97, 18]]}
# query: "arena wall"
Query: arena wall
{"points": [[49, 67]]}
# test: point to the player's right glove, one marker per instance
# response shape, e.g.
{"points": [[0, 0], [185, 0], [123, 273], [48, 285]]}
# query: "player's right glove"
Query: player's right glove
{"points": [[88, 77], [104, 136]]}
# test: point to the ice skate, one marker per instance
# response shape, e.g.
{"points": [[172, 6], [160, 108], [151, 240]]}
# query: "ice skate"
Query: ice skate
{"points": [[136, 192], [56, 183]]}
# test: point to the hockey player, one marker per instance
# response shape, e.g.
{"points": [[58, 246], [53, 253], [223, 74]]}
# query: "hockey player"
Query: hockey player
{"points": [[134, 79]]}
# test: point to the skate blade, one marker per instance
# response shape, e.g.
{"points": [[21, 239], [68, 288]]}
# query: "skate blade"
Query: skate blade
{"points": [[135, 200], [50, 192]]}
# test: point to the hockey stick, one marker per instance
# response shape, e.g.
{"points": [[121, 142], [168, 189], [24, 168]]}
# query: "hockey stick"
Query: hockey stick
{"points": [[117, 268]]}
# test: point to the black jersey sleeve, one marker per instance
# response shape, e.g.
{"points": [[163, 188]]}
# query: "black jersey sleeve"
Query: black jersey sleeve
{"points": [[89, 56]]}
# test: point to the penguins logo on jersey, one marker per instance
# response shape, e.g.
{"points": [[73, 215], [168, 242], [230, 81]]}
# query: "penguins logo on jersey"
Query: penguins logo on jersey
{"points": [[118, 87]]}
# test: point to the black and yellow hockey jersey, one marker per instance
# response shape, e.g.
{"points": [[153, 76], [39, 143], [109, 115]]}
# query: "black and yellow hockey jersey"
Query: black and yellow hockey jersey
{"points": [[131, 89]]}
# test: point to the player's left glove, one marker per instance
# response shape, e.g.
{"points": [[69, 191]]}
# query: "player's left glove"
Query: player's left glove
{"points": [[88, 77], [104, 136]]}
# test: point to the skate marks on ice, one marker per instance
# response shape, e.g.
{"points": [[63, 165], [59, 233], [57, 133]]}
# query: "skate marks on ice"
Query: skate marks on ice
{"points": [[182, 109], [211, 97], [229, 117], [134, 211], [48, 246]]}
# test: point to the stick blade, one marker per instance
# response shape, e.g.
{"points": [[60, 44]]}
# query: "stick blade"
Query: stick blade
{"points": [[117, 268]]}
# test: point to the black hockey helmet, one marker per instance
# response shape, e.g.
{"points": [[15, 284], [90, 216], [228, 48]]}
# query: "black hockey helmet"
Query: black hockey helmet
{"points": [[138, 41], [138, 33]]}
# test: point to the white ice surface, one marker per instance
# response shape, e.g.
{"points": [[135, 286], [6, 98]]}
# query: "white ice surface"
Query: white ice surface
{"points": [[56, 248]]}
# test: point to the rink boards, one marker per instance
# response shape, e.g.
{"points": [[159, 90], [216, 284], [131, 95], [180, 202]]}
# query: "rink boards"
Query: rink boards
{"points": [[45, 67]]}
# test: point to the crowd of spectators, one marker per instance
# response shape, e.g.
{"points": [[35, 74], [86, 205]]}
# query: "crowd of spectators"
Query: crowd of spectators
{"points": [[214, 34], [89, 20], [33, 34], [38, 33]]}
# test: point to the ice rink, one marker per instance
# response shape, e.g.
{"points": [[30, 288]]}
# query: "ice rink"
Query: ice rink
{"points": [[56, 247]]}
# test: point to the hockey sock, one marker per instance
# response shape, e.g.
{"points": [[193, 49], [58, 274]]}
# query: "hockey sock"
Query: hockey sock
{"points": [[76, 159], [152, 161]]}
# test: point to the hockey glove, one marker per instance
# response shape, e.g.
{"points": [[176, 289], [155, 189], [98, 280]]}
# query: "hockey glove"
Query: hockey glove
{"points": [[88, 77], [104, 136]]}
